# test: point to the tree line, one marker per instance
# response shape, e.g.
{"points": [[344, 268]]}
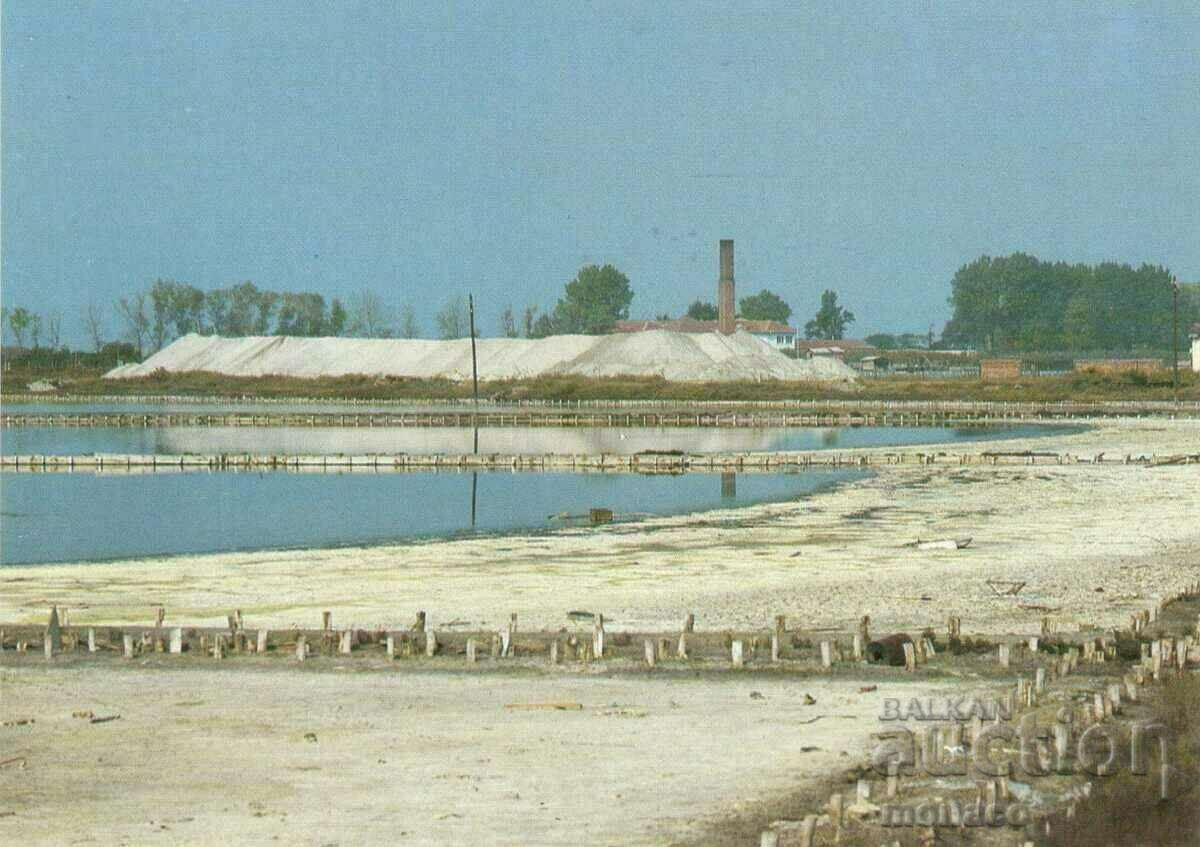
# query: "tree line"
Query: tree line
{"points": [[1021, 303]]}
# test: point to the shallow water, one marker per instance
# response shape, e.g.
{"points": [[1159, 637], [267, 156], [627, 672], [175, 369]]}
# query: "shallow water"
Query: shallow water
{"points": [[24, 441], [73, 517]]}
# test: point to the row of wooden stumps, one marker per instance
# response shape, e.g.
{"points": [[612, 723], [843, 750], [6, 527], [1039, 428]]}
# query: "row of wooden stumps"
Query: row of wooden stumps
{"points": [[1159, 659]]}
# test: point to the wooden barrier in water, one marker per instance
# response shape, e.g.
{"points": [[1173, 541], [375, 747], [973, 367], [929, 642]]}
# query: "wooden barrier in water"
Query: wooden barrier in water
{"points": [[649, 462]]}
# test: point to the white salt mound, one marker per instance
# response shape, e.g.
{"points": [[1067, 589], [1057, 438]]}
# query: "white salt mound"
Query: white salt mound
{"points": [[676, 356]]}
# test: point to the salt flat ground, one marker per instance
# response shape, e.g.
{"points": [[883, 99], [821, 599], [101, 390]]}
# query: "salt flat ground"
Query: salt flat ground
{"points": [[1091, 543], [273, 754]]}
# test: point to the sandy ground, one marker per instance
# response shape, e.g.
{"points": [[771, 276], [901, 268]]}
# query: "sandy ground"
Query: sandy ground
{"points": [[217, 756], [1090, 541]]}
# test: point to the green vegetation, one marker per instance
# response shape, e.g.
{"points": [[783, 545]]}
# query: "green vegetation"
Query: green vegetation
{"points": [[593, 302], [831, 320], [701, 310], [1020, 303], [764, 306], [86, 380]]}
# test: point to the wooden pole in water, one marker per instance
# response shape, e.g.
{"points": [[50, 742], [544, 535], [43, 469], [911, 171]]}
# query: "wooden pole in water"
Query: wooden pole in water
{"points": [[474, 372]]}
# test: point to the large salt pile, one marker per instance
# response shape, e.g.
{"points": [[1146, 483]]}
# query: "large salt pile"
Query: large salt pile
{"points": [[677, 356]]}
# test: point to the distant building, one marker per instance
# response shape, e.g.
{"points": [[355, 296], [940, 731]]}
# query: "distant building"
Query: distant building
{"points": [[778, 335], [836, 348], [874, 364]]}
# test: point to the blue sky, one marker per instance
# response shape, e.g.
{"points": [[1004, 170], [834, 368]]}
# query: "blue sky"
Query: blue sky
{"points": [[425, 151]]}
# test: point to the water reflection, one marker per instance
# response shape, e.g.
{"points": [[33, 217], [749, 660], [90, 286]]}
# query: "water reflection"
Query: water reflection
{"points": [[427, 440]]}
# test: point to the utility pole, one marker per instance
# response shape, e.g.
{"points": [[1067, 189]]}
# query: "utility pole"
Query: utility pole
{"points": [[474, 372], [1175, 337]]}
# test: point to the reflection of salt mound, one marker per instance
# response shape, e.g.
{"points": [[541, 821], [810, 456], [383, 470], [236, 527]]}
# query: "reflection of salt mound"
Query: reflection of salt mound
{"points": [[677, 356]]}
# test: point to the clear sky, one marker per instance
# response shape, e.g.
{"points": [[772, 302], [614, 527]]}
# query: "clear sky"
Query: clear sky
{"points": [[428, 150]]}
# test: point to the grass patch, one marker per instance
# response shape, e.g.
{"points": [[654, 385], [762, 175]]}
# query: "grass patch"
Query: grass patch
{"points": [[1040, 389]]}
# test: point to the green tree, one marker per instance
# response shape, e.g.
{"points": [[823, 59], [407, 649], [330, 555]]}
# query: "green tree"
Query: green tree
{"points": [[302, 314], [831, 319], [19, 321], [882, 341], [594, 301], [702, 311], [338, 318], [542, 327], [764, 306]]}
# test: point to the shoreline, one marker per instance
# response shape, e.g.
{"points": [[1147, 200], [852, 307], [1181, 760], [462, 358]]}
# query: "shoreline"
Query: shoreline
{"points": [[814, 559]]}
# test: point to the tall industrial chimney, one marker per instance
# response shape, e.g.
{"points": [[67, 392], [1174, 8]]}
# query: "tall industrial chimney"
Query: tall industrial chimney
{"points": [[725, 308]]}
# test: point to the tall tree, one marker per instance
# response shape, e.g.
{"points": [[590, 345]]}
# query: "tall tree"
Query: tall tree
{"points": [[93, 324], [54, 329], [452, 320], [409, 328], [370, 316], [528, 318], [132, 311], [831, 319], [764, 306], [594, 301], [508, 323], [303, 314], [702, 311], [35, 330], [19, 321]]}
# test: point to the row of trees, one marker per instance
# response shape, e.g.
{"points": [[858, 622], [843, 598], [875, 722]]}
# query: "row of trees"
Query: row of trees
{"points": [[1021, 303], [831, 320], [27, 327]]}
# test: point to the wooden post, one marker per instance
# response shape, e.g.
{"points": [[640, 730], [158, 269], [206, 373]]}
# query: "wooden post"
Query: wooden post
{"points": [[857, 649], [431, 643], [598, 637], [505, 643], [1004, 655], [681, 651], [48, 647], [54, 633], [737, 654], [327, 621], [91, 636], [807, 828], [689, 624], [836, 804], [176, 645], [554, 656], [159, 616], [302, 648], [262, 641], [391, 646], [910, 657], [497, 645], [127, 643], [344, 645], [774, 647], [826, 654], [419, 626], [218, 650], [648, 648], [1039, 680]]}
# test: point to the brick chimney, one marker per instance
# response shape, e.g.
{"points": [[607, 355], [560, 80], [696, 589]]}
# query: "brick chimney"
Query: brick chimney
{"points": [[725, 302]]}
